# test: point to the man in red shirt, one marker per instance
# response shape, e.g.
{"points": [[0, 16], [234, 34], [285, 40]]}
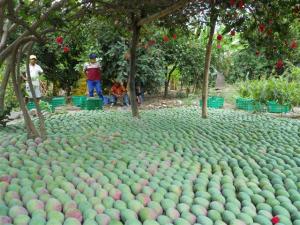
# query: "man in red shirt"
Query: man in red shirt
{"points": [[92, 71], [119, 91]]}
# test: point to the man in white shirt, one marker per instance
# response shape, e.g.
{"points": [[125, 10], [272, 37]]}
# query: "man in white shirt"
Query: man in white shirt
{"points": [[35, 71]]}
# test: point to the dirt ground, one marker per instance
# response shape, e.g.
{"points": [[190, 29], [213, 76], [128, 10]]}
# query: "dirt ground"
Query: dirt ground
{"points": [[158, 102]]}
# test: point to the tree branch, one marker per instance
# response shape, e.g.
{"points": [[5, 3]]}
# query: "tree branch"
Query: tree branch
{"points": [[2, 19], [19, 41], [6, 51], [12, 28], [12, 16], [4, 34], [172, 70], [3, 87], [3, 2], [165, 12]]}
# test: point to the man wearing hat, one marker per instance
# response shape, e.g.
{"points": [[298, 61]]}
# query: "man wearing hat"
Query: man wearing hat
{"points": [[92, 71], [35, 71]]}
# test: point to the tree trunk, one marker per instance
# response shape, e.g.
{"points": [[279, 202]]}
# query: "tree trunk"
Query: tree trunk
{"points": [[167, 81], [68, 94], [213, 21], [181, 84], [31, 130], [37, 104], [132, 72], [166, 88], [188, 91], [3, 88], [68, 91], [198, 83], [55, 89]]}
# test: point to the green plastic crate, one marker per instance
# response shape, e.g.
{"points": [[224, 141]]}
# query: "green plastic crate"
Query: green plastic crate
{"points": [[214, 102], [83, 103], [274, 107], [77, 100], [30, 105], [58, 101], [249, 104], [92, 104], [44, 106]]}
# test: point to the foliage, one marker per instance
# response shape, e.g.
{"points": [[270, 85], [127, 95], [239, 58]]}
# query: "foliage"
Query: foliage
{"points": [[281, 90], [80, 88], [271, 31], [156, 56], [292, 73], [4, 115], [191, 60], [45, 106], [59, 66], [10, 101], [247, 65], [254, 36], [181, 94]]}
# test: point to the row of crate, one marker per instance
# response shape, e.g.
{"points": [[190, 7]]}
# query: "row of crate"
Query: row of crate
{"points": [[80, 101], [213, 102], [249, 105]]}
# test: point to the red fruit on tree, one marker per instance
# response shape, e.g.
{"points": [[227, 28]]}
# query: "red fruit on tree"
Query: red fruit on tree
{"points": [[232, 2], [219, 37], [166, 38], [270, 32], [257, 53], [294, 44], [261, 27], [241, 4], [219, 46], [66, 49], [174, 36], [59, 40], [275, 220], [232, 33], [151, 42], [279, 65]]}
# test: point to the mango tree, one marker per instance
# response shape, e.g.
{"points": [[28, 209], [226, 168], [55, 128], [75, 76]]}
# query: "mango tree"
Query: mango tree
{"points": [[236, 15], [135, 14], [21, 24]]}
